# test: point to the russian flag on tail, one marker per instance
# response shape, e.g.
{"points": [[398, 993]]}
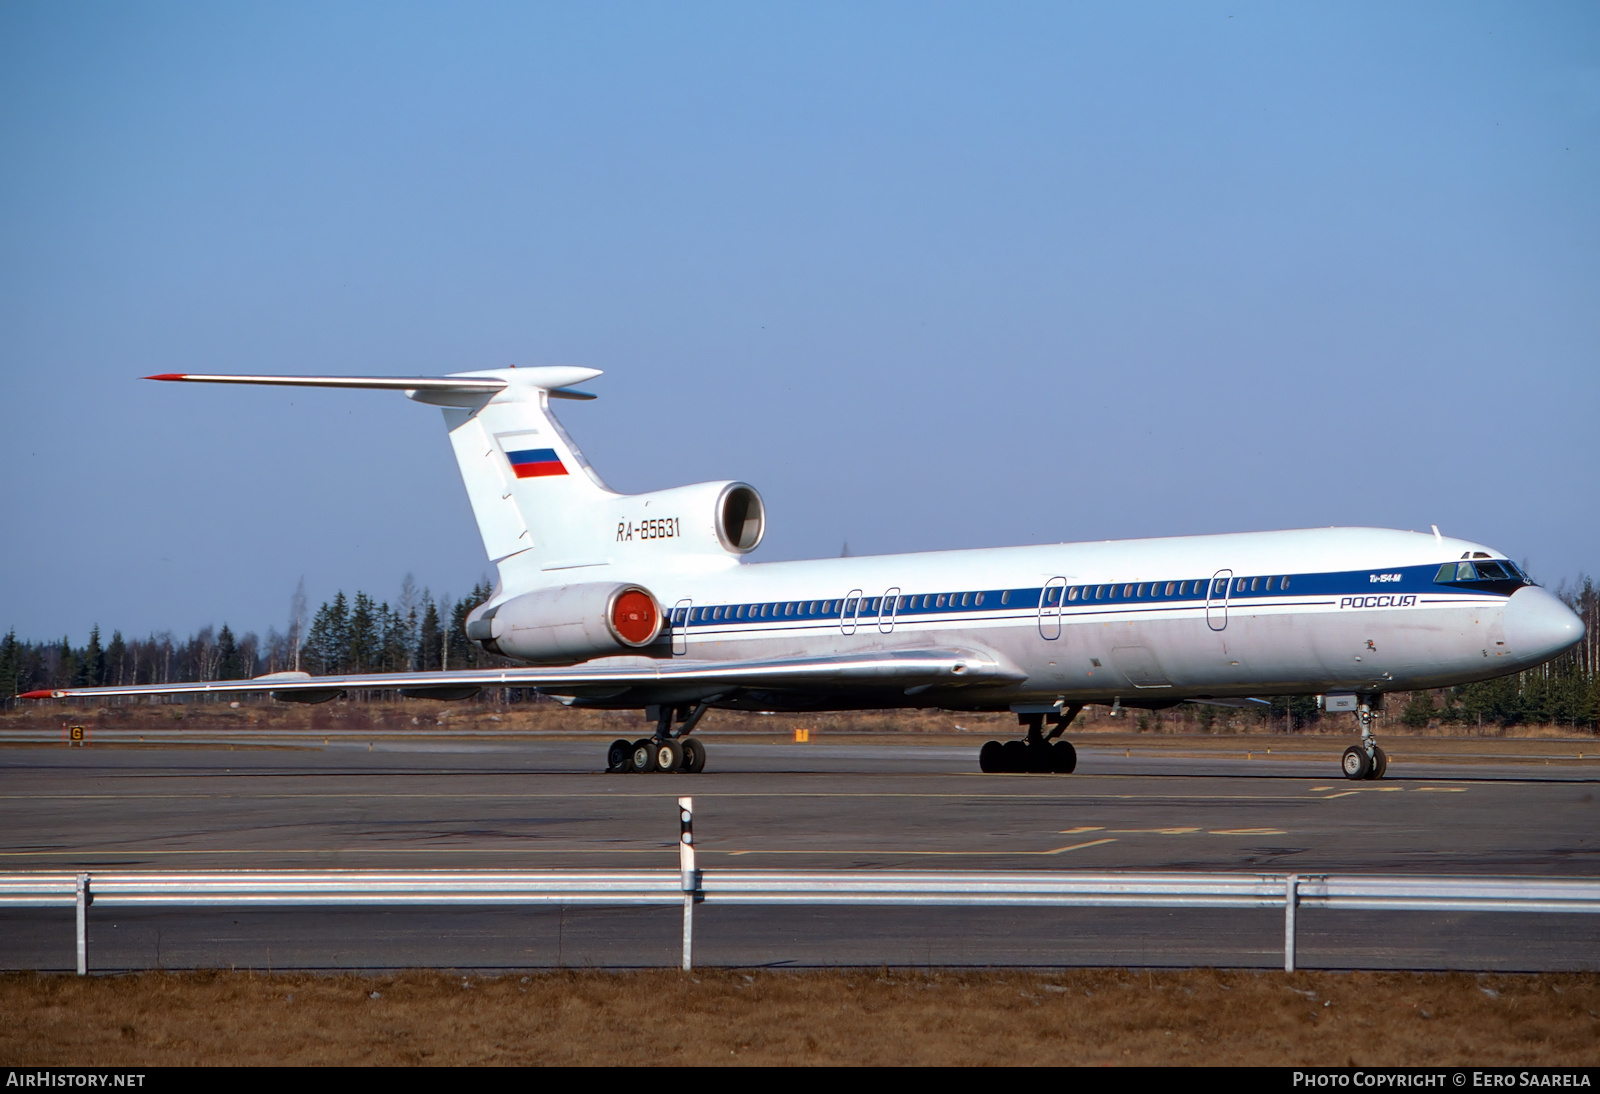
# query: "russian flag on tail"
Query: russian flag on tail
{"points": [[535, 463]]}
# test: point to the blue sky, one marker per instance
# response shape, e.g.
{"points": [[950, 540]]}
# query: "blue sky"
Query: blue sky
{"points": [[928, 275]]}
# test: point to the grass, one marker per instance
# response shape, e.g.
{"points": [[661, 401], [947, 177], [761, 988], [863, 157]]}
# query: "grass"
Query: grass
{"points": [[1085, 1016]]}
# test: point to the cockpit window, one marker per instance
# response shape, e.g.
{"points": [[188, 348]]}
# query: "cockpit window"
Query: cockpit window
{"points": [[1482, 570]]}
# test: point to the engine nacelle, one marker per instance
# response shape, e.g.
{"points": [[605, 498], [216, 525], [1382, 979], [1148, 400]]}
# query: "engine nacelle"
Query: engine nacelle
{"points": [[569, 623]]}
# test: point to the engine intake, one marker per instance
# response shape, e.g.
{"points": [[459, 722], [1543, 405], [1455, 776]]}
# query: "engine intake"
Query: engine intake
{"points": [[569, 623]]}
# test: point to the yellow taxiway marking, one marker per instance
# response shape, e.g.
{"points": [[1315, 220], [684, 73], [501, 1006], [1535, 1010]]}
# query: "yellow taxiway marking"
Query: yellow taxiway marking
{"points": [[879, 851], [1172, 832], [1315, 789], [1080, 831], [1341, 794], [1442, 789]]}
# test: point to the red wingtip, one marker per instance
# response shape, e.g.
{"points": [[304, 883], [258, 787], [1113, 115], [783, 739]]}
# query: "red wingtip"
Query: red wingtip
{"points": [[167, 376], [45, 694]]}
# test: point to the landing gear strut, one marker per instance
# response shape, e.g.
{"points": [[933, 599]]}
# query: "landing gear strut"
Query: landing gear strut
{"points": [[1364, 760], [668, 749], [1039, 751]]}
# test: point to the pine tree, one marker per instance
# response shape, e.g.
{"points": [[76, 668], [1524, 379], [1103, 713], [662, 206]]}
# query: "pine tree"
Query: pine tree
{"points": [[328, 639], [364, 641], [228, 662], [91, 672], [10, 666], [430, 648], [116, 654]]}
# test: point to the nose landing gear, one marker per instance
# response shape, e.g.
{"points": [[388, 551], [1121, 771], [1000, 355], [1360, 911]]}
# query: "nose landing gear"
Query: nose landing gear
{"points": [[1364, 760], [1038, 752]]}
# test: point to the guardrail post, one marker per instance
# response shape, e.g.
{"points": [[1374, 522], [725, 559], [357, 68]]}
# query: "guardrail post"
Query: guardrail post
{"points": [[689, 876], [83, 924], [1291, 901]]}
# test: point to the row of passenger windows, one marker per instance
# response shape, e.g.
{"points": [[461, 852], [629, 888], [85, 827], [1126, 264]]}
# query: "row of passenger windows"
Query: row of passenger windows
{"points": [[1158, 590], [1052, 597]]}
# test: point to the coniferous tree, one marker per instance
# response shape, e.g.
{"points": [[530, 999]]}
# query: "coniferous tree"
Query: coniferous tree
{"points": [[10, 665], [229, 666], [66, 666], [429, 640], [116, 654], [328, 639], [92, 665], [363, 637]]}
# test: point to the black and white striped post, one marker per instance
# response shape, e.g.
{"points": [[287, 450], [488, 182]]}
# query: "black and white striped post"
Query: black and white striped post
{"points": [[1291, 901], [83, 924], [688, 875]]}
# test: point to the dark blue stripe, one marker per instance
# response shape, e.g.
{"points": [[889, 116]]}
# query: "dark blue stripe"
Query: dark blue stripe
{"points": [[1398, 579]]}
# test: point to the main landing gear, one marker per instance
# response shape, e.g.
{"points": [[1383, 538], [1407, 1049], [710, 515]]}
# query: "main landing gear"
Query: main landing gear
{"points": [[1364, 760], [667, 750], [1038, 752]]}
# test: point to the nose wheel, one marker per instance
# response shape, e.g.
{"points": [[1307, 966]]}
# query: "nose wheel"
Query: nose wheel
{"points": [[1039, 752], [1364, 760]]}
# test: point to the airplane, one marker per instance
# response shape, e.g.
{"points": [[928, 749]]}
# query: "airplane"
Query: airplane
{"points": [[647, 602]]}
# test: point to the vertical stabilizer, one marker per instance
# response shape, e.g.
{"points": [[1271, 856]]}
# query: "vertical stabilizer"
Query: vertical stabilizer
{"points": [[531, 490]]}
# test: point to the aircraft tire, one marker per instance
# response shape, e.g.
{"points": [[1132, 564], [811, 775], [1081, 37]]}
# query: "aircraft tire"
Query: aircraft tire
{"points": [[989, 760], [1064, 758], [617, 755], [694, 756], [643, 755], [1380, 763], [1355, 763], [1013, 757], [669, 756]]}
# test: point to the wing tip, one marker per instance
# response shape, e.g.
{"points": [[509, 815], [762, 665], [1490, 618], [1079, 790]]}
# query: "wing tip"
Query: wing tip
{"points": [[168, 376], [43, 693]]}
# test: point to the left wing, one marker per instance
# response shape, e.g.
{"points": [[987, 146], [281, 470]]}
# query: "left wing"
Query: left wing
{"points": [[910, 670]]}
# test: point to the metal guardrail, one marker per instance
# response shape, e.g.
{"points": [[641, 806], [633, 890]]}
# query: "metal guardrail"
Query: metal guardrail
{"points": [[689, 886]]}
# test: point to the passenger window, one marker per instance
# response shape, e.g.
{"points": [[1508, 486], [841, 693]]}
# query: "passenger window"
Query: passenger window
{"points": [[1255, 583], [1072, 593], [1005, 597], [1270, 582], [1284, 584], [873, 604], [1169, 588], [716, 613], [1099, 592], [938, 601], [978, 600], [1139, 592], [966, 599], [849, 605]]}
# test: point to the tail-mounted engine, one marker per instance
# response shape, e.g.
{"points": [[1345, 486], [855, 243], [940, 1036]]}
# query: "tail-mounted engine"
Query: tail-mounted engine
{"points": [[570, 623]]}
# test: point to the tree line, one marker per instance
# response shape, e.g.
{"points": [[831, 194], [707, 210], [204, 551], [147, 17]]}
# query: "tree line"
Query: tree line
{"points": [[360, 634], [346, 635]]}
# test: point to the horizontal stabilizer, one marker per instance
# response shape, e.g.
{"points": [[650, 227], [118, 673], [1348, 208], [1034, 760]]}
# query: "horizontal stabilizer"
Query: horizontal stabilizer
{"points": [[485, 385]]}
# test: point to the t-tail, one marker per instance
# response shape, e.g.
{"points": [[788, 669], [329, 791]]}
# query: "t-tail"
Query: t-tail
{"points": [[546, 518]]}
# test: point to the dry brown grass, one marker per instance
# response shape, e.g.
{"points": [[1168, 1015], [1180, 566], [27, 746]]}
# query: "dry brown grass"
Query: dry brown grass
{"points": [[432, 718], [1096, 1016]]}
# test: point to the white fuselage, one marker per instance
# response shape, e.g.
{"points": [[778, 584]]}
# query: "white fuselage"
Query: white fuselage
{"points": [[1147, 622]]}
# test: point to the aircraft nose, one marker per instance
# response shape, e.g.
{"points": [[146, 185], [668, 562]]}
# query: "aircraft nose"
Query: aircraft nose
{"points": [[1538, 626]]}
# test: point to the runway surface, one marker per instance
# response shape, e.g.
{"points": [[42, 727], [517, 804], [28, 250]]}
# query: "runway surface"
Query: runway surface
{"points": [[493, 801]]}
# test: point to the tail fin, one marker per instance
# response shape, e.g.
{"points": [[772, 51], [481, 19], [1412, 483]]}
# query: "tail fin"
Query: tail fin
{"points": [[531, 489], [544, 515]]}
